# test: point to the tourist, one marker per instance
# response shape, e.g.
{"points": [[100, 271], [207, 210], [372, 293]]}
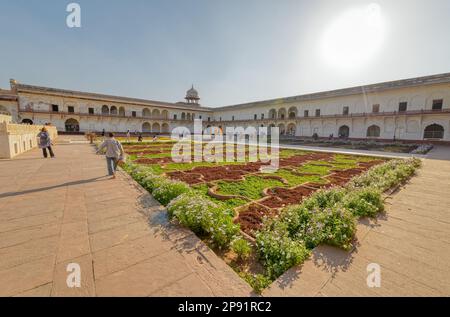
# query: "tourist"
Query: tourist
{"points": [[140, 138], [114, 153], [45, 142], [155, 138], [128, 136]]}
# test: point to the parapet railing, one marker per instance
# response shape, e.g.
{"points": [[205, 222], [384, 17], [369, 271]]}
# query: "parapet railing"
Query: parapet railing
{"points": [[86, 114], [339, 116]]}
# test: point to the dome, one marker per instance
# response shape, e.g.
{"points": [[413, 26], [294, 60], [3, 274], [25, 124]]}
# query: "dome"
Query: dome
{"points": [[192, 93]]}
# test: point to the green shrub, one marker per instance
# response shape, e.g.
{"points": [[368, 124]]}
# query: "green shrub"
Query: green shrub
{"points": [[241, 247], [257, 281], [204, 218], [325, 198], [336, 226], [386, 176], [168, 190], [332, 225], [152, 181], [367, 202], [279, 252]]}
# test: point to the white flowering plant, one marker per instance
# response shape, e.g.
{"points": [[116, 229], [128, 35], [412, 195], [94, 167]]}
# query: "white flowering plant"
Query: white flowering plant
{"points": [[204, 218], [279, 252], [366, 202]]}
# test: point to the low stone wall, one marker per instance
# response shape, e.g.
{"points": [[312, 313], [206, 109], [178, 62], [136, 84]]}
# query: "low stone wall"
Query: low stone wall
{"points": [[5, 118], [16, 139]]}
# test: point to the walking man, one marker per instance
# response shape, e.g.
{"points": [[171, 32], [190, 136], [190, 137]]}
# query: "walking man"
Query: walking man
{"points": [[114, 153], [45, 142]]}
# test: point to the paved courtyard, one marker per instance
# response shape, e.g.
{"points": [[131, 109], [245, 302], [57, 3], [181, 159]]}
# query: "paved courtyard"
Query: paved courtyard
{"points": [[59, 211]]}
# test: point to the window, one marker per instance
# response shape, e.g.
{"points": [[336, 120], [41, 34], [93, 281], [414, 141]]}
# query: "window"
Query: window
{"points": [[262, 116], [256, 117], [174, 117], [55, 108], [345, 111], [91, 110], [317, 112], [200, 117], [232, 118], [306, 113], [376, 108], [402, 107], [437, 104], [133, 114], [70, 109], [434, 131], [373, 131], [220, 119], [209, 119]]}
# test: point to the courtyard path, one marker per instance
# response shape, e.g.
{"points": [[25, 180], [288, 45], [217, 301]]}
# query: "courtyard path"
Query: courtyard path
{"points": [[411, 243], [59, 211]]}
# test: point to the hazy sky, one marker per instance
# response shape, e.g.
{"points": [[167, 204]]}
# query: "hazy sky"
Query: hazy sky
{"points": [[233, 51]]}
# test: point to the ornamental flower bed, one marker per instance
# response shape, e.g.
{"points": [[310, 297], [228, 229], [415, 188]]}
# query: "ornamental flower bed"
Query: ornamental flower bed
{"points": [[263, 224]]}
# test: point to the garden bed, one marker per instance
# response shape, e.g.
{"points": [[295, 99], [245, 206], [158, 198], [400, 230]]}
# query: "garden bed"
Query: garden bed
{"points": [[270, 221]]}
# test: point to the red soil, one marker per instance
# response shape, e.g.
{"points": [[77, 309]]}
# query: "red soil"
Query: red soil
{"points": [[144, 152], [298, 160], [281, 197], [148, 161], [368, 165], [337, 181], [318, 186], [251, 218], [189, 178], [348, 173]]}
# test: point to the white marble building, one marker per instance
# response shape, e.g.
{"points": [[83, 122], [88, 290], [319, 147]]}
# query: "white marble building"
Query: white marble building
{"points": [[414, 109]]}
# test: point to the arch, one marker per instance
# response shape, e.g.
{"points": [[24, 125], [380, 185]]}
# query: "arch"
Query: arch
{"points": [[373, 131], [146, 113], [122, 111], [291, 129], [165, 114], [156, 114], [146, 127], [183, 116], [156, 128], [292, 113], [27, 121], [165, 128], [282, 114], [72, 125], [272, 114], [282, 128], [188, 117], [105, 110], [434, 131], [344, 131], [4, 110], [113, 110]]}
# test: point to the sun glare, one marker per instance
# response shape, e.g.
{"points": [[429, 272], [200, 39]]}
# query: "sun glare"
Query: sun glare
{"points": [[354, 37]]}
